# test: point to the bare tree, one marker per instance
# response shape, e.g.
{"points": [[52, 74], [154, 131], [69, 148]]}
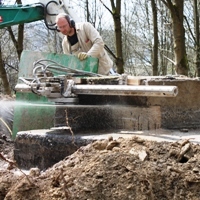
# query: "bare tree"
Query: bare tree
{"points": [[18, 43], [165, 41], [3, 75], [197, 37], [176, 10], [155, 37], [116, 14]]}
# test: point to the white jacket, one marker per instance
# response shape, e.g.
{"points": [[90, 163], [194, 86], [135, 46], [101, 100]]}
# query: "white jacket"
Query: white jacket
{"points": [[92, 43]]}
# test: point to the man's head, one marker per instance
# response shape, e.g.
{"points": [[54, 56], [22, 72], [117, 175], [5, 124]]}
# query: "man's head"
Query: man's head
{"points": [[64, 24]]}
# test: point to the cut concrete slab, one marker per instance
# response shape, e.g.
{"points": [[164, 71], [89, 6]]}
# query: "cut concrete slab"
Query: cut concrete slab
{"points": [[125, 116], [43, 148], [108, 117]]}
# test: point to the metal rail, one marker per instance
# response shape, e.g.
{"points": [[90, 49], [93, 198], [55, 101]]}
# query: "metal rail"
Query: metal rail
{"points": [[126, 90], [117, 90]]}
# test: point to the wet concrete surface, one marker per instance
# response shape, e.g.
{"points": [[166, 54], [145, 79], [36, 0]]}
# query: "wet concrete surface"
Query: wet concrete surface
{"points": [[159, 135]]}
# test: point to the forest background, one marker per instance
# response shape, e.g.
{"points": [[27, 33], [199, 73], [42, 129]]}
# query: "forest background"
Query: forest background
{"points": [[144, 38]]}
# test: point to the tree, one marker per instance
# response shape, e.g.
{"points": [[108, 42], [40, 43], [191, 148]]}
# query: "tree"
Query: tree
{"points": [[176, 10], [116, 14], [155, 37], [3, 75], [197, 37], [18, 43]]}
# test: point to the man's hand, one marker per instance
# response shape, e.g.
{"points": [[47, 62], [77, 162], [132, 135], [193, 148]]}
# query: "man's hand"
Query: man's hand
{"points": [[82, 56]]}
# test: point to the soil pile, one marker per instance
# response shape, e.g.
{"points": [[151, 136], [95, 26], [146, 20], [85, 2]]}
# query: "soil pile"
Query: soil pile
{"points": [[113, 169]]}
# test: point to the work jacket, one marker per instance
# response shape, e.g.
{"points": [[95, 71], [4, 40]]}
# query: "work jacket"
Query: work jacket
{"points": [[89, 41]]}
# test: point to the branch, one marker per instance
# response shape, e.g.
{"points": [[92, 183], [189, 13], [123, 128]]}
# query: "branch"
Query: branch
{"points": [[12, 36], [169, 60], [13, 164], [165, 3], [168, 4], [190, 30], [106, 7]]}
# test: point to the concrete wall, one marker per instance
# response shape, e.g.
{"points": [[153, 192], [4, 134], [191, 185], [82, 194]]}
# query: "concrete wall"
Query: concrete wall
{"points": [[110, 117], [182, 111]]}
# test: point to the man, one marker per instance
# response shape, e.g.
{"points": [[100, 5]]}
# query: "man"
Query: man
{"points": [[83, 40]]}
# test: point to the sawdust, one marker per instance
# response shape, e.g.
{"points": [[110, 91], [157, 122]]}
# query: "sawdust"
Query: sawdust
{"points": [[110, 169]]}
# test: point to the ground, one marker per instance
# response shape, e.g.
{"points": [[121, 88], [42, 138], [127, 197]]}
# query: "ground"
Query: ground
{"points": [[110, 169]]}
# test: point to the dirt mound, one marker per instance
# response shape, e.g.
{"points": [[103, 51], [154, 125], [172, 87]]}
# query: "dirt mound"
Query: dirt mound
{"points": [[113, 169]]}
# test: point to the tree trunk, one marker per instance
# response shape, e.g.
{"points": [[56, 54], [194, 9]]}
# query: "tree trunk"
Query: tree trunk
{"points": [[18, 43], [176, 10], [116, 13], [19, 48], [197, 39], [155, 37], [3, 76]]}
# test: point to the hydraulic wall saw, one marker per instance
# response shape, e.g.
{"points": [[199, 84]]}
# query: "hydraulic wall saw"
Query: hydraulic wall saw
{"points": [[70, 82], [50, 84]]}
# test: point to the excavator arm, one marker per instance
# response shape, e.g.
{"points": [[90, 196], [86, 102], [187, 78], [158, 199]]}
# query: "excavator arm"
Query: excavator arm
{"points": [[20, 14], [43, 10]]}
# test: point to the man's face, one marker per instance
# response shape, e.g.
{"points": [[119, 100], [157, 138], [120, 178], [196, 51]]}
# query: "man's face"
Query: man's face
{"points": [[63, 27]]}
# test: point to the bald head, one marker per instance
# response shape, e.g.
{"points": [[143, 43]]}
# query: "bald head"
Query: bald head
{"points": [[61, 15], [63, 23]]}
